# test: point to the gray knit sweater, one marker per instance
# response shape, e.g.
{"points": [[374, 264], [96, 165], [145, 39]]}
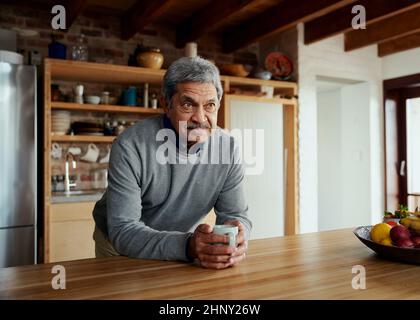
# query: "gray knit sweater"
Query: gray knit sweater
{"points": [[150, 208]]}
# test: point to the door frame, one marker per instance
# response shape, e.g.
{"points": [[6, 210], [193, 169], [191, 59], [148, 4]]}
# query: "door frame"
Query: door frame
{"points": [[395, 92]]}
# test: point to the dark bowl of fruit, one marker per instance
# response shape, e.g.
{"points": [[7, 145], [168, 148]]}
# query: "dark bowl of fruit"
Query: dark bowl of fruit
{"points": [[398, 243]]}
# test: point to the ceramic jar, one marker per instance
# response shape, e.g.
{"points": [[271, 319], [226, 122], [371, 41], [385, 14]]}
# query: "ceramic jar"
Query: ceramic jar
{"points": [[152, 58]]}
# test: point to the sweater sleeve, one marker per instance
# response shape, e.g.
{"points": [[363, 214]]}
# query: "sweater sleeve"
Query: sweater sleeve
{"points": [[231, 203], [127, 232]]}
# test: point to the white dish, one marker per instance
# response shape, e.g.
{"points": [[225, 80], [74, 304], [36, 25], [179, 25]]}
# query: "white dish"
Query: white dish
{"points": [[93, 99], [90, 133]]}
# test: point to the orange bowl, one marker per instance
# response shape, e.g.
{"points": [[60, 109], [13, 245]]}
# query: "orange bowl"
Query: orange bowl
{"points": [[234, 69]]}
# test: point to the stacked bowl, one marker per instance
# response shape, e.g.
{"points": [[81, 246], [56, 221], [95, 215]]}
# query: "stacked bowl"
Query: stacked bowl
{"points": [[60, 122]]}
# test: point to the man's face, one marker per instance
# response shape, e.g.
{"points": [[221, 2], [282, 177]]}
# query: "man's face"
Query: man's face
{"points": [[195, 104]]}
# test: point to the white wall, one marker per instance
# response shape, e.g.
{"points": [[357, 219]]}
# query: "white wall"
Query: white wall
{"points": [[356, 177], [344, 193], [327, 58], [401, 64], [329, 157]]}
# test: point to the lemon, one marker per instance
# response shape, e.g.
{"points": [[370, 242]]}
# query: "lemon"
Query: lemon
{"points": [[386, 242], [380, 232]]}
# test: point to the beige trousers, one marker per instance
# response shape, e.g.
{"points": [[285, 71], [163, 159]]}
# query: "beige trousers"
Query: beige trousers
{"points": [[103, 248]]}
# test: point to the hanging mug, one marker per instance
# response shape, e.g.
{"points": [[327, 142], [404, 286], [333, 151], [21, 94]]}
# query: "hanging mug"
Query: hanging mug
{"points": [[91, 154], [75, 151], [105, 159], [56, 151]]}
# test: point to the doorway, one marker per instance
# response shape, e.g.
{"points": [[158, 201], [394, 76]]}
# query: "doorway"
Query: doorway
{"points": [[402, 123], [343, 122], [413, 153]]}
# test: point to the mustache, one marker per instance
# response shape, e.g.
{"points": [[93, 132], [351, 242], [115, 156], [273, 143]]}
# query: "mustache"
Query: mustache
{"points": [[195, 125]]}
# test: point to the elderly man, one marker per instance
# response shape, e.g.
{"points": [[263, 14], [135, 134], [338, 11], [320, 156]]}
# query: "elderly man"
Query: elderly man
{"points": [[152, 209]]}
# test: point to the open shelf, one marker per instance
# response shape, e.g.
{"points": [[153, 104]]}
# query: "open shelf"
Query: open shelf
{"points": [[80, 71], [103, 108], [80, 138], [289, 102], [258, 82]]}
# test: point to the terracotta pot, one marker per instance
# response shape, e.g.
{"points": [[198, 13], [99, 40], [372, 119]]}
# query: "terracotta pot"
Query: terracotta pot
{"points": [[150, 59]]}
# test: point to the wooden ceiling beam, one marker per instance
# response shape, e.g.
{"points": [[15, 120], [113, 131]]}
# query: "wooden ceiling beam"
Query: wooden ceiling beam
{"points": [[276, 19], [208, 19], [73, 9], [141, 14], [391, 28], [340, 20], [400, 44]]}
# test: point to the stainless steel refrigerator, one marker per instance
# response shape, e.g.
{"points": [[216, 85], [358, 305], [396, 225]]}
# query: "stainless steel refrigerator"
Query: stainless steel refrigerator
{"points": [[18, 161]]}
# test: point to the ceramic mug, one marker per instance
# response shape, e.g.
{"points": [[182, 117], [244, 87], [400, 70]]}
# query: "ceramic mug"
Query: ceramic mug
{"points": [[56, 151], [91, 154], [105, 159], [229, 230], [75, 151]]}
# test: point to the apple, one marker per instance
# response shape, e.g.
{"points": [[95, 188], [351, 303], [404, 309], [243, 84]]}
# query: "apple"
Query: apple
{"points": [[399, 233], [416, 240], [405, 243], [417, 246]]}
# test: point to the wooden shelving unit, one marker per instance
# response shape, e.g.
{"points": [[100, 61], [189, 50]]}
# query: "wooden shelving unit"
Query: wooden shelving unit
{"points": [[76, 71], [289, 102], [80, 138], [55, 105]]}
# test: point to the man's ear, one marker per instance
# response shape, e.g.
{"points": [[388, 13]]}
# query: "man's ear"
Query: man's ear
{"points": [[162, 102]]}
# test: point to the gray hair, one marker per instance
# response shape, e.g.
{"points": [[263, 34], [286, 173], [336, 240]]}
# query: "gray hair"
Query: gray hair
{"points": [[190, 69]]}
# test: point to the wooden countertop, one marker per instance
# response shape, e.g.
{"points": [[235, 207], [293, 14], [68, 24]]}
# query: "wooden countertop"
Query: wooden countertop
{"points": [[310, 266]]}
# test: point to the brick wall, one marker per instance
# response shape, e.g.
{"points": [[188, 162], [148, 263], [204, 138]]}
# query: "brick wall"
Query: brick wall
{"points": [[103, 37]]}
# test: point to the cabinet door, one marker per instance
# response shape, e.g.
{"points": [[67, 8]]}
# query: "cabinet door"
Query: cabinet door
{"points": [[264, 189], [71, 231]]}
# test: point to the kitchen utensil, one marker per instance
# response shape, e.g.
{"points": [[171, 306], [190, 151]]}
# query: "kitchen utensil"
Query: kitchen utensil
{"points": [[75, 151], [56, 151], [130, 96], [152, 58], [60, 122], [80, 49], [78, 93], [234, 69], [409, 255], [154, 101], [279, 65], [91, 154], [105, 97], [57, 50], [93, 99], [105, 159], [263, 74]]}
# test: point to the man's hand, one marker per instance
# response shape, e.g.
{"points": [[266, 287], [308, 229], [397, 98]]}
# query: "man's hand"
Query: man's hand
{"points": [[216, 256], [241, 244]]}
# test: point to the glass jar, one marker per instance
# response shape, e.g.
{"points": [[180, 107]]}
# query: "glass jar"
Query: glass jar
{"points": [[80, 49], [105, 97]]}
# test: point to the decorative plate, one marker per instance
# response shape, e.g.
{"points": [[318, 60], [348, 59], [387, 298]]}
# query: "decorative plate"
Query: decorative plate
{"points": [[279, 65]]}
